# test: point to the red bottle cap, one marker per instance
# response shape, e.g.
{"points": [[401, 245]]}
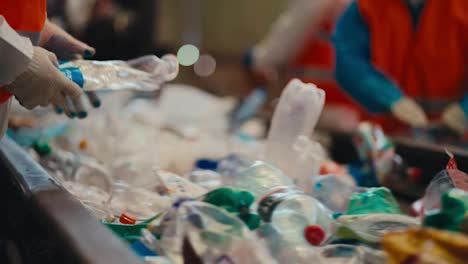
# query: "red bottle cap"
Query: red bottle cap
{"points": [[314, 234], [414, 174], [127, 220]]}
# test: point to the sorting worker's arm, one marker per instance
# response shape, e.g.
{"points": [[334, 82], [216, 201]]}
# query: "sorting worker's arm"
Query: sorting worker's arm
{"points": [[361, 79], [16, 53], [288, 32], [455, 116], [31, 73], [354, 69], [62, 44], [66, 47]]}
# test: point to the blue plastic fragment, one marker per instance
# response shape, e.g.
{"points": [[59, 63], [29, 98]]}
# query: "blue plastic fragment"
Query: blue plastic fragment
{"points": [[142, 250]]}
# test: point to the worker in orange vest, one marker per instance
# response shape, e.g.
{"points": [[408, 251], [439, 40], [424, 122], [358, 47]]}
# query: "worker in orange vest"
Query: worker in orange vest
{"points": [[29, 72], [406, 61], [300, 42]]}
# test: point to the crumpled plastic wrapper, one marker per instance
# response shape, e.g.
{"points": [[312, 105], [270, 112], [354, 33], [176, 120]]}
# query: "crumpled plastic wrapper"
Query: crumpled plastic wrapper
{"points": [[214, 236], [138, 202], [426, 246], [443, 182]]}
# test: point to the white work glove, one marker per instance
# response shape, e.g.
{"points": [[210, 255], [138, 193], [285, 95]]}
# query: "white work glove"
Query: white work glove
{"points": [[66, 47], [454, 118], [409, 112], [42, 83]]}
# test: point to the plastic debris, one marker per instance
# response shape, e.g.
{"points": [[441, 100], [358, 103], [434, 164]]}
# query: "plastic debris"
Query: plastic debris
{"points": [[443, 182], [127, 220], [452, 215], [425, 246], [297, 217], [172, 178], [350, 254], [235, 201], [144, 74], [371, 227], [208, 179], [379, 164], [288, 146], [335, 191], [212, 234], [261, 178], [374, 200]]}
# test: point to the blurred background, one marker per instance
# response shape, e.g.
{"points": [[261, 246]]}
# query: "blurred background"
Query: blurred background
{"points": [[125, 29], [212, 40]]}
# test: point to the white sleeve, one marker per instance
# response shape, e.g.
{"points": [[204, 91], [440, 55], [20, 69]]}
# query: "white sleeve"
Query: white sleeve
{"points": [[15, 53], [4, 112], [289, 31]]}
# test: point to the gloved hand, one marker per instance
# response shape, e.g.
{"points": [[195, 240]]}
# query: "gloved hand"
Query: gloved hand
{"points": [[66, 47], [42, 83], [454, 118], [260, 76], [409, 112]]}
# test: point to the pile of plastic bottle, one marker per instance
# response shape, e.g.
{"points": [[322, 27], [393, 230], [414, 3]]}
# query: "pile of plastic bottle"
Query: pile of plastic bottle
{"points": [[171, 178]]}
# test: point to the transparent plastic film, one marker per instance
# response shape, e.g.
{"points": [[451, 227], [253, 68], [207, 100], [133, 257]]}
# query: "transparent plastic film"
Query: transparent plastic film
{"points": [[146, 73]]}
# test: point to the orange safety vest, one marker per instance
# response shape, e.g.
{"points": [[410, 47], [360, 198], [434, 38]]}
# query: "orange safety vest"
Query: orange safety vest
{"points": [[25, 16], [315, 63], [427, 62]]}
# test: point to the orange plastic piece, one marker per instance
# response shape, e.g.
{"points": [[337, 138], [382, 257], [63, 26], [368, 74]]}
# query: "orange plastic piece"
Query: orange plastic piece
{"points": [[83, 144], [127, 220]]}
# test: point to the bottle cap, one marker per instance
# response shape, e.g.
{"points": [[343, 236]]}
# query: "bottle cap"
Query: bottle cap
{"points": [[127, 220], [314, 234], [83, 144], [42, 148], [207, 164]]}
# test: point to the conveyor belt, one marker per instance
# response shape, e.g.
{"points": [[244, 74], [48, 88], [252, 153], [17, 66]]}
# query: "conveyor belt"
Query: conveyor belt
{"points": [[44, 222]]}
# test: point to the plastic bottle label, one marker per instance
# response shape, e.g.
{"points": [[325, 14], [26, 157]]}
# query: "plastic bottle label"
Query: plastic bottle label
{"points": [[74, 74], [268, 204]]}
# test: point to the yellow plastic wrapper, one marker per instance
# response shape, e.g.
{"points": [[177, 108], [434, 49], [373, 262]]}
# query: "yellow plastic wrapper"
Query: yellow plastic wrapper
{"points": [[425, 246]]}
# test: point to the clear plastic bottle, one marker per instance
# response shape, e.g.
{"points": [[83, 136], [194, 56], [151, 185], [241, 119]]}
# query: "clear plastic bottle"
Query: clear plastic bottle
{"points": [[213, 233], [334, 191], [144, 74], [231, 166], [261, 178], [60, 164], [138, 202], [306, 167], [296, 115], [89, 172], [297, 217], [207, 179], [66, 166]]}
